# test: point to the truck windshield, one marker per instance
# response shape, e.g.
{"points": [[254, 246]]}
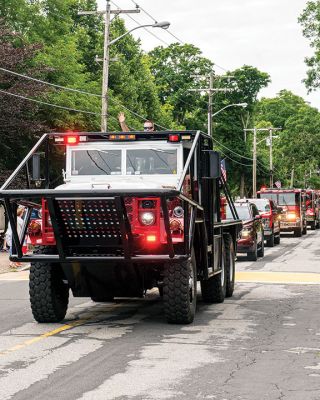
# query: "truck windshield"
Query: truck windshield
{"points": [[282, 199], [243, 212], [262, 205], [151, 162], [96, 162]]}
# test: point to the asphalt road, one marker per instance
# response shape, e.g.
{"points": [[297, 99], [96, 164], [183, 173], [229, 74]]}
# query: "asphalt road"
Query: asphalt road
{"points": [[263, 343]]}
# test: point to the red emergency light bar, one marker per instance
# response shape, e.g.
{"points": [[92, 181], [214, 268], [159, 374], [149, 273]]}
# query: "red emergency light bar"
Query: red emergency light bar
{"points": [[174, 138]]}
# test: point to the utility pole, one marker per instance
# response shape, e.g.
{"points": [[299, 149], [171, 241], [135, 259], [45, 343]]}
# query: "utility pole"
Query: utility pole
{"points": [[271, 130], [292, 177], [105, 70], [254, 158], [211, 90], [254, 165]]}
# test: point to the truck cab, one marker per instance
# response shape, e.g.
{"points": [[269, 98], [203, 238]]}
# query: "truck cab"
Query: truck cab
{"points": [[134, 211], [293, 204], [312, 209]]}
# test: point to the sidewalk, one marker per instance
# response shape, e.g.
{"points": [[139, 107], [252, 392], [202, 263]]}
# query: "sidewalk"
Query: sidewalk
{"points": [[4, 264]]}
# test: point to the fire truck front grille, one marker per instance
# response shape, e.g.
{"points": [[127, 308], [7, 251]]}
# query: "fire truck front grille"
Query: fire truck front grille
{"points": [[89, 222]]}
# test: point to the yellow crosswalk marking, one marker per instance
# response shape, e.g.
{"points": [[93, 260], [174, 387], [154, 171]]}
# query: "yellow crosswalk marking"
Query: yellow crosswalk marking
{"points": [[278, 277]]}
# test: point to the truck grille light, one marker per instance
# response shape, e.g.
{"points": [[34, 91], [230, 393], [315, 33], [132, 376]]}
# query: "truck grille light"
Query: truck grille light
{"points": [[147, 218]]}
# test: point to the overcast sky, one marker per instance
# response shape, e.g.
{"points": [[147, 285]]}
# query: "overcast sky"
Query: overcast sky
{"points": [[261, 33]]}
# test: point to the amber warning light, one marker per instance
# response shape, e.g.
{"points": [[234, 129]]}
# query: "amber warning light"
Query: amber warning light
{"points": [[122, 137], [151, 238], [71, 139]]}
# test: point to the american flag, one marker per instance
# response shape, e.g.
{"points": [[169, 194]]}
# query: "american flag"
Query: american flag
{"points": [[277, 184], [223, 169]]}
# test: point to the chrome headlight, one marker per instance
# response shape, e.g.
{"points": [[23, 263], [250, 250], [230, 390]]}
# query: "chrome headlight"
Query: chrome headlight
{"points": [[147, 218], [178, 212]]}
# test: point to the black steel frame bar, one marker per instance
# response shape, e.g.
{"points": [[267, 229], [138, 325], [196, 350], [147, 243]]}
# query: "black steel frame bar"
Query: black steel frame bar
{"points": [[123, 227], [23, 162], [56, 230], [25, 225], [164, 207], [137, 258], [186, 227], [227, 193], [12, 215], [193, 216]]}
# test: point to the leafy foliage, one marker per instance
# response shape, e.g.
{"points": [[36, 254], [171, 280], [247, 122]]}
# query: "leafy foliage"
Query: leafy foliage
{"points": [[310, 21], [296, 146], [19, 121]]}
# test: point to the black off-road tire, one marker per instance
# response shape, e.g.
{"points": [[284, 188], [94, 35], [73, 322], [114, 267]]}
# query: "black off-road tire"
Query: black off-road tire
{"points": [[49, 295], [180, 291], [231, 265], [213, 290], [277, 239], [261, 250], [304, 229], [298, 232], [253, 255], [270, 240], [313, 226]]}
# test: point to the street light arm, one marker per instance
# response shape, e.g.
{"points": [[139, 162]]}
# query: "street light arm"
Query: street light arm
{"points": [[163, 25], [230, 105]]}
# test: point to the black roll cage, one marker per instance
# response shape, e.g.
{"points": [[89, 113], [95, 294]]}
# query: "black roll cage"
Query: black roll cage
{"points": [[194, 212]]}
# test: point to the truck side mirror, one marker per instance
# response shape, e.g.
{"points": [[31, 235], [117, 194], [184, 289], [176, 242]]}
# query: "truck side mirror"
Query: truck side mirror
{"points": [[214, 165], [36, 167]]}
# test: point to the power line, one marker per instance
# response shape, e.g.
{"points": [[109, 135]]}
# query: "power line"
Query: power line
{"points": [[237, 162], [48, 83], [151, 33], [48, 104], [231, 151], [170, 33], [155, 20], [72, 90]]}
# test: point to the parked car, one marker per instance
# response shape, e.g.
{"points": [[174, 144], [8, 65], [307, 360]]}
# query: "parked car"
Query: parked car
{"points": [[271, 216], [251, 239]]}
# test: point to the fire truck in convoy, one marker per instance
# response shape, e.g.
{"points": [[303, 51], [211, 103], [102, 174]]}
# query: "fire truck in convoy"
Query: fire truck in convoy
{"points": [[293, 204], [313, 209], [134, 211]]}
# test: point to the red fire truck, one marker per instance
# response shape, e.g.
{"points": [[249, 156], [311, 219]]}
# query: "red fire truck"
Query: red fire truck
{"points": [[312, 209], [293, 204]]}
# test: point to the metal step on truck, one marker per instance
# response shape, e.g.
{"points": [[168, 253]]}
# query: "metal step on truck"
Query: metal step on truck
{"points": [[131, 211]]}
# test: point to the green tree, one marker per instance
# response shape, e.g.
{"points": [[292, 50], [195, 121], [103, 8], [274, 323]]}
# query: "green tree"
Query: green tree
{"points": [[245, 84], [310, 21], [295, 148], [175, 69], [19, 121]]}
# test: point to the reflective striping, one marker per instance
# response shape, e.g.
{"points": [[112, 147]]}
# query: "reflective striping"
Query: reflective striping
{"points": [[297, 278]]}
